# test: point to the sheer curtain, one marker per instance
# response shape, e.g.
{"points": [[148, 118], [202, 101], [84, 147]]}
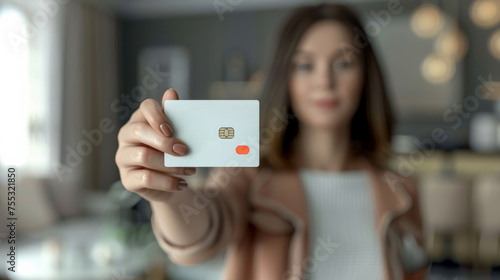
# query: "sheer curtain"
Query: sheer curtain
{"points": [[89, 125]]}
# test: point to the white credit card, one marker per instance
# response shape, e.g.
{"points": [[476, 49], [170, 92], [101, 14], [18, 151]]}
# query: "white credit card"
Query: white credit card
{"points": [[218, 133]]}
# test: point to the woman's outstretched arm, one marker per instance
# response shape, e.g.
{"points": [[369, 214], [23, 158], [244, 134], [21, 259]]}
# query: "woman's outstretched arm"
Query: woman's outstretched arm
{"points": [[198, 223]]}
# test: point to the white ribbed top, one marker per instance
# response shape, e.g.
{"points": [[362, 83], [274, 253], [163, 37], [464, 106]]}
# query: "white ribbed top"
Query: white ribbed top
{"points": [[341, 211]]}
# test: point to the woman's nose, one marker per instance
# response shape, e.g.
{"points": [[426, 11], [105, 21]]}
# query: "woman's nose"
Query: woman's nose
{"points": [[324, 78]]}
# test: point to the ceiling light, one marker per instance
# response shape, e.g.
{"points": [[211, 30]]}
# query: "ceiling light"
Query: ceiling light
{"points": [[494, 44], [427, 20], [437, 69], [453, 44], [485, 13]]}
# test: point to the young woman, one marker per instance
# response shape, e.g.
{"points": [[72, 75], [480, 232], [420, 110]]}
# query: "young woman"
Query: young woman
{"points": [[322, 204]]}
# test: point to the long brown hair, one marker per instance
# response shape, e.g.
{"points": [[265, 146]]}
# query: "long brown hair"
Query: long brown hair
{"points": [[372, 124]]}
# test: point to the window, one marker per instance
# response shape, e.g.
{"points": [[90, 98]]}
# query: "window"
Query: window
{"points": [[29, 71]]}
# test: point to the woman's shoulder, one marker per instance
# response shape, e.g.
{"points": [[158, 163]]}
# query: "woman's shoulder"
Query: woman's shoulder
{"points": [[394, 178], [408, 181]]}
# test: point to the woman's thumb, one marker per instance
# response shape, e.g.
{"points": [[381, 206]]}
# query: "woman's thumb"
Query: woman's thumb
{"points": [[170, 94]]}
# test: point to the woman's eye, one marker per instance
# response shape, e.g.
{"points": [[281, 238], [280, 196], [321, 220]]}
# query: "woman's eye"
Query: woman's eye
{"points": [[341, 65], [303, 67]]}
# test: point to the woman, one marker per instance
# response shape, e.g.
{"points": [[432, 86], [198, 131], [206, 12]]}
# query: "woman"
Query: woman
{"points": [[322, 204]]}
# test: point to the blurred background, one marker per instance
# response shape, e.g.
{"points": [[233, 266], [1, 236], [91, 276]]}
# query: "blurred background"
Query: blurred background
{"points": [[72, 72]]}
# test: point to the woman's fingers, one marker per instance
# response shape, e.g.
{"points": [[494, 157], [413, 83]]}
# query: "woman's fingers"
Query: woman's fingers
{"points": [[143, 133], [140, 155], [146, 157], [170, 94], [152, 113], [140, 180]]}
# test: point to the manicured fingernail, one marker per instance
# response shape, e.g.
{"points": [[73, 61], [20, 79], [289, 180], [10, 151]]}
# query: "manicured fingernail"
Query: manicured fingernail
{"points": [[189, 171], [166, 129], [180, 149], [182, 184]]}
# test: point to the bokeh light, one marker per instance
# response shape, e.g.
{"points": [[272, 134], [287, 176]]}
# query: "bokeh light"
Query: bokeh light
{"points": [[485, 13], [427, 21]]}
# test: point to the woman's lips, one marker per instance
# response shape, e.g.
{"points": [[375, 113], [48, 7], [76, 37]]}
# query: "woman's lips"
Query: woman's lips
{"points": [[326, 104]]}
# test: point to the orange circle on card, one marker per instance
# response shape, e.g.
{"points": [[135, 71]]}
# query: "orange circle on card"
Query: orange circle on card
{"points": [[242, 150]]}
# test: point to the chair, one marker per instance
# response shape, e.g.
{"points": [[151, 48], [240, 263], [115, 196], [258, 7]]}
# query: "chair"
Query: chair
{"points": [[486, 205], [446, 212]]}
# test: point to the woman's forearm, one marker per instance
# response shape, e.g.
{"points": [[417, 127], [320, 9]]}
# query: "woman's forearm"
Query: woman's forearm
{"points": [[180, 222]]}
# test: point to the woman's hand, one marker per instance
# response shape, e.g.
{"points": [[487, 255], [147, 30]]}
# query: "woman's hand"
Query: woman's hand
{"points": [[142, 142]]}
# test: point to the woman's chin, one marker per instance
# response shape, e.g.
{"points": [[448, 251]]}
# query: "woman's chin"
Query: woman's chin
{"points": [[327, 124]]}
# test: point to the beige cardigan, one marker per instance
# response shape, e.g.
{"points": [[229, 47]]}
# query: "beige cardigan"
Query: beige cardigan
{"points": [[259, 215]]}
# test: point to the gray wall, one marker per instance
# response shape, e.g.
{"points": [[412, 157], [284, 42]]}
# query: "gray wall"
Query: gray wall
{"points": [[206, 38]]}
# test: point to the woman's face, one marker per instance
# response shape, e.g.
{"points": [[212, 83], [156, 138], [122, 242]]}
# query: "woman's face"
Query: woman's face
{"points": [[326, 77]]}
